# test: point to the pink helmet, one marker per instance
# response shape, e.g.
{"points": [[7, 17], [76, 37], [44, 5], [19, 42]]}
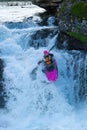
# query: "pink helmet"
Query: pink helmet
{"points": [[46, 52]]}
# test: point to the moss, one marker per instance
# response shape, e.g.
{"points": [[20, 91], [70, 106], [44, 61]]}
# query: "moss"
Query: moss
{"points": [[63, 8], [81, 37], [73, 1], [79, 10]]}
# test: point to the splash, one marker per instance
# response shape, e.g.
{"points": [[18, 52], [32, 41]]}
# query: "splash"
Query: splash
{"points": [[33, 104]]}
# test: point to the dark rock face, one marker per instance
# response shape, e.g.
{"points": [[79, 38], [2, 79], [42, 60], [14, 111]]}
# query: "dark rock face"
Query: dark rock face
{"points": [[74, 44], [68, 42], [48, 5], [2, 101], [39, 38]]}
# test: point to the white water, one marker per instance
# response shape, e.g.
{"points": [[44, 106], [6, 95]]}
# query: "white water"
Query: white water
{"points": [[33, 104], [18, 13]]}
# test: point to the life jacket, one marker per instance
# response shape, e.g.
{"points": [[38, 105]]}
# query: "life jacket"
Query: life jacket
{"points": [[48, 59]]}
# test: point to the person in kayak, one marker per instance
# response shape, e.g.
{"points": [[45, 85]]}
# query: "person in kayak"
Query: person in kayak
{"points": [[48, 60]]}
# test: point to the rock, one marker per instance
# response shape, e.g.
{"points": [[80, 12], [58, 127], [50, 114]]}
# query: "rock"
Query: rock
{"points": [[66, 41], [50, 6], [2, 101], [39, 38]]}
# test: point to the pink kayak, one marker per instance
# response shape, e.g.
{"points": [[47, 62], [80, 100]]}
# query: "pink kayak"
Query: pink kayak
{"points": [[52, 73]]}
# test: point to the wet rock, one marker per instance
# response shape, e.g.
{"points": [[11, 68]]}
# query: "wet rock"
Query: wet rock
{"points": [[50, 6], [66, 41], [39, 38], [2, 101]]}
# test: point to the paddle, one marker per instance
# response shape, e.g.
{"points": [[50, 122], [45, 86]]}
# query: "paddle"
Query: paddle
{"points": [[51, 47]]}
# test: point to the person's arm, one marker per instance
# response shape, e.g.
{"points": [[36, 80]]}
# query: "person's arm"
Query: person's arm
{"points": [[51, 55], [40, 62]]}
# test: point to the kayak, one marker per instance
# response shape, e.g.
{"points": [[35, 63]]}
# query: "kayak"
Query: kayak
{"points": [[52, 72]]}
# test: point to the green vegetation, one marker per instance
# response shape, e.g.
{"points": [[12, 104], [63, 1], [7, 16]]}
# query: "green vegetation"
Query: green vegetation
{"points": [[78, 36], [62, 7], [79, 10], [73, 1]]}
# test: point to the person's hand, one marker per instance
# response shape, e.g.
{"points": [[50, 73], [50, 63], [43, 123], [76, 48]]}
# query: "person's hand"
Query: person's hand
{"points": [[39, 62]]}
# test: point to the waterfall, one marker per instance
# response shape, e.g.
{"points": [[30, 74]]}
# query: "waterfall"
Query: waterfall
{"points": [[31, 102], [75, 76]]}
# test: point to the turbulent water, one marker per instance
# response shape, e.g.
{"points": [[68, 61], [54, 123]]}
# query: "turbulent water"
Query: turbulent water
{"points": [[32, 102]]}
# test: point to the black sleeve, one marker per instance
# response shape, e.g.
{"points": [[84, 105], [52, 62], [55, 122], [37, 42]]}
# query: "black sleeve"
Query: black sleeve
{"points": [[51, 55], [40, 62]]}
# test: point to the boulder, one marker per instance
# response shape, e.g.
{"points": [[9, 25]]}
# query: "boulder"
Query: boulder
{"points": [[66, 41], [2, 101], [39, 38], [50, 6]]}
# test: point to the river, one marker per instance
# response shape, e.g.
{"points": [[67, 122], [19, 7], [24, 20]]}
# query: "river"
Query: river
{"points": [[32, 102]]}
